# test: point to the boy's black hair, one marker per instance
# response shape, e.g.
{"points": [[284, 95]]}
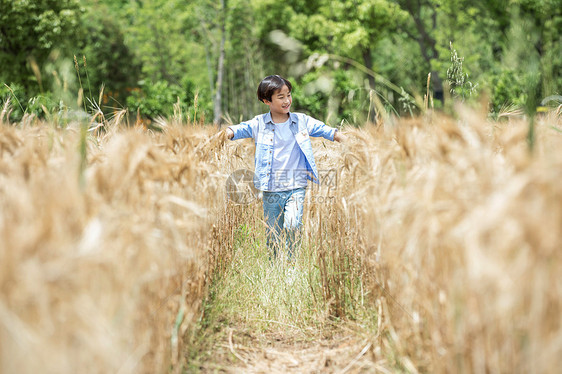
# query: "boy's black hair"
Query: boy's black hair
{"points": [[270, 84]]}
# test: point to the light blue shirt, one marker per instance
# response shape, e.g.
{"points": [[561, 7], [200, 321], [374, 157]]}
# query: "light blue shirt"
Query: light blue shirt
{"points": [[288, 167], [262, 129]]}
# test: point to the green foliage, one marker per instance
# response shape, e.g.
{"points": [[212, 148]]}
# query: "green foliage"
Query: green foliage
{"points": [[459, 84], [154, 99], [323, 28], [162, 35], [29, 32], [353, 99], [40, 104], [399, 60], [307, 98], [161, 99], [244, 63], [346, 27], [15, 94], [511, 49], [104, 58], [58, 101], [508, 91]]}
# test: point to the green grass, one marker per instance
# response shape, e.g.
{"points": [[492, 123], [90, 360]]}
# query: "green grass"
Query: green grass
{"points": [[259, 297], [265, 293]]}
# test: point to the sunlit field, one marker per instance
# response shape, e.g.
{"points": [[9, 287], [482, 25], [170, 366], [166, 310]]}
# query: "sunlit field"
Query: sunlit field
{"points": [[438, 239]]}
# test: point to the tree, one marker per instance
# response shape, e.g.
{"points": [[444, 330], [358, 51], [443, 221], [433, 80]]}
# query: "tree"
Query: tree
{"points": [[160, 34], [422, 28], [213, 18], [155, 31], [108, 59], [347, 32], [220, 69]]}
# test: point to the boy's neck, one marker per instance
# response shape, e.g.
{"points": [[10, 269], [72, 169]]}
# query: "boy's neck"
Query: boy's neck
{"points": [[279, 118]]}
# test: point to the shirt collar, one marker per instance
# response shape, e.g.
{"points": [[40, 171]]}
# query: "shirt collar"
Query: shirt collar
{"points": [[268, 119]]}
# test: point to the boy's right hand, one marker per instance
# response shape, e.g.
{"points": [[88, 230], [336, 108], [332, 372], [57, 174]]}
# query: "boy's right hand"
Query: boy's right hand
{"points": [[229, 133], [340, 137]]}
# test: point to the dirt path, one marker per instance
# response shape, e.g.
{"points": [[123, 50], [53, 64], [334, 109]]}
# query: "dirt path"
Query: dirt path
{"points": [[246, 352]]}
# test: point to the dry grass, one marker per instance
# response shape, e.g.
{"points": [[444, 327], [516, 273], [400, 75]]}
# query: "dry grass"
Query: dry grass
{"points": [[103, 273], [459, 233]]}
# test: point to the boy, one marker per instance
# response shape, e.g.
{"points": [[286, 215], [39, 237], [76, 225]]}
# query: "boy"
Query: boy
{"points": [[283, 161]]}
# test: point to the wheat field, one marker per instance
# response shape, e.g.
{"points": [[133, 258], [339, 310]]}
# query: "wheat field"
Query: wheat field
{"points": [[460, 230], [102, 265], [448, 229]]}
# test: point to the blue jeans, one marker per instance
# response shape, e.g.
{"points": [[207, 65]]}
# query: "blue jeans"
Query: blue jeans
{"points": [[283, 217]]}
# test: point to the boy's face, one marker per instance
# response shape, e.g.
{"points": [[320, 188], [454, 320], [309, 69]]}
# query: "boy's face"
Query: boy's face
{"points": [[281, 100]]}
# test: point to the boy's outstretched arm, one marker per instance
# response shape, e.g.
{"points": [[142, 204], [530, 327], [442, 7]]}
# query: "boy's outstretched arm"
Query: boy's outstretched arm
{"points": [[242, 130]]}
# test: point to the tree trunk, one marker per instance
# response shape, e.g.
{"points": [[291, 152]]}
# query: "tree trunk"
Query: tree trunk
{"points": [[218, 87], [210, 70], [426, 42], [368, 62], [220, 70]]}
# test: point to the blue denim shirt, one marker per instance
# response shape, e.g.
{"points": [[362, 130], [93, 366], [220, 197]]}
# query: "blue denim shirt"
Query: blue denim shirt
{"points": [[261, 129]]}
